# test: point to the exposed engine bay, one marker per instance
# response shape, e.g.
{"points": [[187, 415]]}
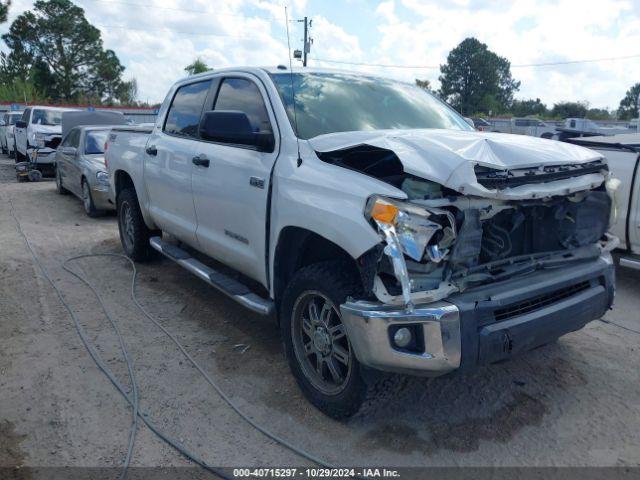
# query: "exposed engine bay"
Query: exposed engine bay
{"points": [[458, 242], [440, 240]]}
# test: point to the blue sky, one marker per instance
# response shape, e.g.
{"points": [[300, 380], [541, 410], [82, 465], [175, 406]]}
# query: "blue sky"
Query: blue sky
{"points": [[155, 39]]}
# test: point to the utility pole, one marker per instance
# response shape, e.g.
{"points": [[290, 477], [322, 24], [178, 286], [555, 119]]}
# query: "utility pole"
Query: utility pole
{"points": [[307, 40]]}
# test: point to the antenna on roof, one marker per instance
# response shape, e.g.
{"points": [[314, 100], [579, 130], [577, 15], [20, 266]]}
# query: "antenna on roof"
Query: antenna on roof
{"points": [[293, 91]]}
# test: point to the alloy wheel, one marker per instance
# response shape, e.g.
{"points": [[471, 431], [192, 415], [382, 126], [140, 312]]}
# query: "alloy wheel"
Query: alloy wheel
{"points": [[320, 342], [126, 226], [86, 197]]}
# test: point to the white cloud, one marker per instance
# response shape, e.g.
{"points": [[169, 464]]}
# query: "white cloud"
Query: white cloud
{"points": [[335, 42], [158, 40], [524, 33]]}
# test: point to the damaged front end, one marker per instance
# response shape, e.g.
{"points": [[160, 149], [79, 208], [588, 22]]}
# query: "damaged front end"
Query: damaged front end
{"points": [[439, 242]]}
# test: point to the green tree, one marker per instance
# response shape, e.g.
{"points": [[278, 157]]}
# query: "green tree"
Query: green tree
{"points": [[629, 104], [18, 91], [197, 66], [56, 48], [570, 109], [128, 92], [106, 77], [424, 84], [4, 10], [524, 108], [475, 79], [599, 114], [42, 78]]}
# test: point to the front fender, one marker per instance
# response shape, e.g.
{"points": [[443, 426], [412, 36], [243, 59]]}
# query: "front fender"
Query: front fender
{"points": [[327, 200]]}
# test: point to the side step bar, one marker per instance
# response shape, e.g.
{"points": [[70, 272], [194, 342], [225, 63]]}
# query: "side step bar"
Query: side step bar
{"points": [[630, 262], [227, 285]]}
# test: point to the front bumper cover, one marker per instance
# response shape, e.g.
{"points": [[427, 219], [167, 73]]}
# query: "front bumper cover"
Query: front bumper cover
{"points": [[100, 195], [42, 156], [486, 324], [368, 325]]}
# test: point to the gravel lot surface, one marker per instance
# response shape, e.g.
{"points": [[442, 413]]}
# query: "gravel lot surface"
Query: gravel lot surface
{"points": [[575, 402]]}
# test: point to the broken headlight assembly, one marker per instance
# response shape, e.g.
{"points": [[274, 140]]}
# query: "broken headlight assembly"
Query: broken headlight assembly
{"points": [[422, 234], [39, 139]]}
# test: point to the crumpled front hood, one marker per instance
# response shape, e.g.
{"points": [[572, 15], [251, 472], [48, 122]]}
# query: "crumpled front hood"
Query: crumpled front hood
{"points": [[47, 129], [448, 157]]}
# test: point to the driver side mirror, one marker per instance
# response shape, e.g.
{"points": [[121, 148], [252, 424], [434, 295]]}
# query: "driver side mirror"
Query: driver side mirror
{"points": [[71, 151], [21, 124], [234, 127]]}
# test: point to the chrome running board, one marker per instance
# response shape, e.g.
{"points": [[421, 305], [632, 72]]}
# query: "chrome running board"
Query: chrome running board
{"points": [[227, 285], [630, 262]]}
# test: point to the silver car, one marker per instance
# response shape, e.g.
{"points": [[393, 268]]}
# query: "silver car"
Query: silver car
{"points": [[80, 167]]}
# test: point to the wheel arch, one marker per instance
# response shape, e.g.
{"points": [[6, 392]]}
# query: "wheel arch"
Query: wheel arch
{"points": [[123, 180], [299, 247]]}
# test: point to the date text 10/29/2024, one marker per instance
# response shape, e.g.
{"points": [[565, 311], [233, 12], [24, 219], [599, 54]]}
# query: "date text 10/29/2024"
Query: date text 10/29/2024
{"points": [[315, 473]]}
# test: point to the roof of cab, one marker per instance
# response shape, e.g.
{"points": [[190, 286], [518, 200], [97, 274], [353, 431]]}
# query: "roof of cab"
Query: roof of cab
{"points": [[275, 70]]}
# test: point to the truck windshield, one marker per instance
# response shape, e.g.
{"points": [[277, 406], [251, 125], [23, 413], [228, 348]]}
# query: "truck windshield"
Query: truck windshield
{"points": [[94, 141], [47, 117], [339, 102]]}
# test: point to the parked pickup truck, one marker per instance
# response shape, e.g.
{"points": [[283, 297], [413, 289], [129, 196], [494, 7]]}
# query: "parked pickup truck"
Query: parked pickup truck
{"points": [[383, 232], [37, 135], [7, 132], [623, 156]]}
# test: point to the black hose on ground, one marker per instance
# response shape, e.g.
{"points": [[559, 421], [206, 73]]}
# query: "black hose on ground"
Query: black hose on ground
{"points": [[133, 401], [104, 368]]}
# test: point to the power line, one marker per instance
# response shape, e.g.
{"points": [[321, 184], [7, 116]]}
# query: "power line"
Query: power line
{"points": [[570, 62], [157, 7], [524, 65], [182, 32]]}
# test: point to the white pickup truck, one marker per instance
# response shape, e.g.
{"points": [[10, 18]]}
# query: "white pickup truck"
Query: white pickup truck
{"points": [[382, 232], [38, 134], [623, 156]]}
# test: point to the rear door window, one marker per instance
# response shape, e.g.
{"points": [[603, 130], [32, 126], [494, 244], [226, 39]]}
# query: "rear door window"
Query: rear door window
{"points": [[242, 95], [184, 113]]}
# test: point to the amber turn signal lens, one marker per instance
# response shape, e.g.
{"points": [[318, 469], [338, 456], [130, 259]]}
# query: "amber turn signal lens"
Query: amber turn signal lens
{"points": [[384, 212]]}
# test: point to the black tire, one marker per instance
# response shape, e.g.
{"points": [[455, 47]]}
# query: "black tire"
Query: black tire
{"points": [[134, 233], [59, 188], [87, 200], [335, 281]]}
